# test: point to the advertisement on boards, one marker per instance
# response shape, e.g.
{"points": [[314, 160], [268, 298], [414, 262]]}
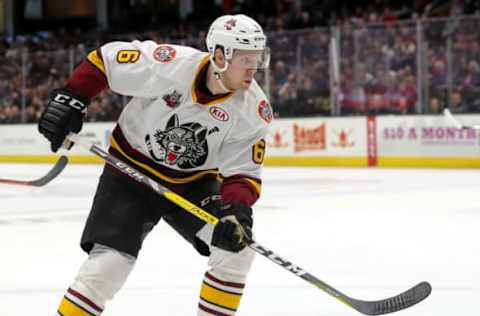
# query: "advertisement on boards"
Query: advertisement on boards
{"points": [[25, 140], [429, 135], [317, 137]]}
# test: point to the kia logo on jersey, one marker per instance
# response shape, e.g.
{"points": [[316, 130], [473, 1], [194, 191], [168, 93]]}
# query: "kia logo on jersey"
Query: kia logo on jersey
{"points": [[219, 113]]}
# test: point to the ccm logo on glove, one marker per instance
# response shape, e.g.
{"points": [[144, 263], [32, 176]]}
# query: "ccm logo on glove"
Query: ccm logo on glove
{"points": [[71, 101]]}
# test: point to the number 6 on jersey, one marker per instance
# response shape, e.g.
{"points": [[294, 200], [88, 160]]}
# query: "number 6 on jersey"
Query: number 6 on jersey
{"points": [[258, 151]]}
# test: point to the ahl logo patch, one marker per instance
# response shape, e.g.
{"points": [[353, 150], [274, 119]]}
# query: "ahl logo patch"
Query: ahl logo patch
{"points": [[219, 113], [265, 111], [164, 53], [172, 99]]}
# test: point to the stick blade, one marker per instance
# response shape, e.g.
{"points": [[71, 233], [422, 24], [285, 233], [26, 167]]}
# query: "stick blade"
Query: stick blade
{"points": [[396, 303], [53, 173]]}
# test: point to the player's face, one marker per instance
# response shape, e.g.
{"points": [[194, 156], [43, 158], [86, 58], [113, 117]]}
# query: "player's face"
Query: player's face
{"points": [[243, 66], [237, 77]]}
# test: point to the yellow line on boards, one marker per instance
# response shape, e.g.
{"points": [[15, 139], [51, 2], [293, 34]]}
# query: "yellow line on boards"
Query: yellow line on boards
{"points": [[383, 162], [316, 161], [429, 162], [80, 159]]}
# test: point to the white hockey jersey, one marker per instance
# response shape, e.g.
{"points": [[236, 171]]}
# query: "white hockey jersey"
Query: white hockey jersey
{"points": [[165, 131]]}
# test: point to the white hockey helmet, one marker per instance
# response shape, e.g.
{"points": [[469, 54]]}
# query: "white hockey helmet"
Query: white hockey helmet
{"points": [[238, 33]]}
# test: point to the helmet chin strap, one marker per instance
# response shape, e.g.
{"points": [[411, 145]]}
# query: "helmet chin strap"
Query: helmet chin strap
{"points": [[218, 73]]}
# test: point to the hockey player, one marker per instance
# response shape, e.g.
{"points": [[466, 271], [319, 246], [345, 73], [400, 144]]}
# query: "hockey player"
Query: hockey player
{"points": [[197, 124]]}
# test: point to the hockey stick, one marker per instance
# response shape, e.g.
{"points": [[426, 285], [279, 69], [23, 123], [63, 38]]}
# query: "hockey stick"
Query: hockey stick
{"points": [[456, 122], [55, 171], [389, 305]]}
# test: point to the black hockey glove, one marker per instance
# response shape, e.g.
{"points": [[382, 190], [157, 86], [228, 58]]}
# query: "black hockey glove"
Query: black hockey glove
{"points": [[63, 114], [235, 222]]}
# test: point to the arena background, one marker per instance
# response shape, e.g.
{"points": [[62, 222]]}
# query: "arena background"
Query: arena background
{"points": [[361, 84], [352, 83]]}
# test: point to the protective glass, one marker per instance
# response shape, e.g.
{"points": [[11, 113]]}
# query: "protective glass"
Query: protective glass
{"points": [[251, 59]]}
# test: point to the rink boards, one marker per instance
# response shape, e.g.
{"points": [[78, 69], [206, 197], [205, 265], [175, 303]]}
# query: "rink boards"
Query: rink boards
{"points": [[384, 141]]}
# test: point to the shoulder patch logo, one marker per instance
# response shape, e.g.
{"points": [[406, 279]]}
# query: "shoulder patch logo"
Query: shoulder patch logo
{"points": [[219, 113], [164, 53], [265, 111], [172, 99]]}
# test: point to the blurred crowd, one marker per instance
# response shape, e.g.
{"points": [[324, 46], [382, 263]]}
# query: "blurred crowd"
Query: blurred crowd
{"points": [[395, 68], [385, 59]]}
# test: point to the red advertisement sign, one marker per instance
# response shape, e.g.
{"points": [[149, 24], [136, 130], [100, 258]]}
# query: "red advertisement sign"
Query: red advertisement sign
{"points": [[305, 138], [343, 138], [278, 139]]}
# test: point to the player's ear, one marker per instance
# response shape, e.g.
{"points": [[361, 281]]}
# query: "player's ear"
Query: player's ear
{"points": [[219, 57]]}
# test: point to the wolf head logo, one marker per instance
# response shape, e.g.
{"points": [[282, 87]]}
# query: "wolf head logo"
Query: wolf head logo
{"points": [[183, 145]]}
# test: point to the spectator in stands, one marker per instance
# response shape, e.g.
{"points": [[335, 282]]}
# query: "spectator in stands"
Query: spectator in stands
{"points": [[311, 101], [471, 82], [438, 78], [457, 103], [280, 73], [352, 98], [10, 114], [287, 96], [435, 106], [408, 95], [473, 50]]}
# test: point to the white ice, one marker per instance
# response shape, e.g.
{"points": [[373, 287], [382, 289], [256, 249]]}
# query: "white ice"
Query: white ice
{"points": [[370, 233]]}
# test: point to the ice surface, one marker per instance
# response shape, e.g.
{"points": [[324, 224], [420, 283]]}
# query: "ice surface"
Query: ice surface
{"points": [[371, 233]]}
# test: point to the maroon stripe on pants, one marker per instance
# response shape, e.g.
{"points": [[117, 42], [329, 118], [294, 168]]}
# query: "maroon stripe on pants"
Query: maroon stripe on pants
{"points": [[85, 300], [211, 311], [225, 283]]}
